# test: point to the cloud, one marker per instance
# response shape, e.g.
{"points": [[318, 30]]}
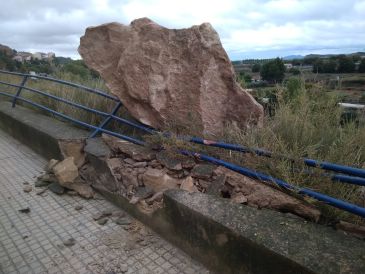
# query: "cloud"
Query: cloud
{"points": [[247, 28]]}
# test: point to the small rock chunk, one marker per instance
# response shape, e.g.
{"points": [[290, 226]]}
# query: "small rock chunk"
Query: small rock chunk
{"points": [[102, 221], [51, 164], [27, 188], [69, 242], [103, 214], [169, 161], [202, 171], [56, 188], [239, 199], [24, 210], [122, 221], [188, 185], [41, 183], [78, 207], [41, 191]]}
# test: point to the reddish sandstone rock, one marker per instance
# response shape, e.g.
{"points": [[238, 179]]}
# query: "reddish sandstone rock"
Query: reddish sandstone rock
{"points": [[158, 180], [188, 184], [260, 195], [66, 171], [170, 77]]}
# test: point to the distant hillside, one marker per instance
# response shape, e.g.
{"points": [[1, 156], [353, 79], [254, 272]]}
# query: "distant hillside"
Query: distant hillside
{"points": [[7, 51], [39, 62], [326, 56], [292, 57], [296, 57]]}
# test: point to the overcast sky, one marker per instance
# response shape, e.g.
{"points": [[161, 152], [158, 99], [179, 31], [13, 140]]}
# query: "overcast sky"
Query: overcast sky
{"points": [[248, 28]]}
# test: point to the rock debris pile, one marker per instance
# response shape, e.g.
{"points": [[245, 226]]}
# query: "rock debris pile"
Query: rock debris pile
{"points": [[61, 177], [142, 175]]}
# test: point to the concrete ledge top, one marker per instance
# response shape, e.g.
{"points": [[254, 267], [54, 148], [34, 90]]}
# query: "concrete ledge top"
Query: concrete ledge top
{"points": [[96, 147], [318, 248], [55, 128]]}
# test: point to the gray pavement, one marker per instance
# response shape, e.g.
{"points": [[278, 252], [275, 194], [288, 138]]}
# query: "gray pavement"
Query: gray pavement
{"points": [[34, 242]]}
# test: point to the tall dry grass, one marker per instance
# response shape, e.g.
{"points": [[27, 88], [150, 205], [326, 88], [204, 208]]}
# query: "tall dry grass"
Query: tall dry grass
{"points": [[307, 124], [76, 95]]}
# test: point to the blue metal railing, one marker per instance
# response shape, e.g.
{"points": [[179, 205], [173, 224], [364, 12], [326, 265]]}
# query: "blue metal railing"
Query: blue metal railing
{"points": [[350, 175]]}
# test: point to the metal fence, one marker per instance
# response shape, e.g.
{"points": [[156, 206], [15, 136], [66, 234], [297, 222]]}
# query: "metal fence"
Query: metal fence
{"points": [[350, 175]]}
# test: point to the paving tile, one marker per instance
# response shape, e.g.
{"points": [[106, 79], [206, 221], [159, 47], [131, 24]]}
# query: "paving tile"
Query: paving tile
{"points": [[53, 219]]}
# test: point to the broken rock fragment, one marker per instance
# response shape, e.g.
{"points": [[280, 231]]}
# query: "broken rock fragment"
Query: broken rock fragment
{"points": [[261, 195], [158, 180], [188, 184], [66, 171]]}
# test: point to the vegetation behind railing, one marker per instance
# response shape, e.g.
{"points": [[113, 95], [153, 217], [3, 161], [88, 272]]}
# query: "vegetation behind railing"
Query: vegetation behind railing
{"points": [[73, 94], [306, 123]]}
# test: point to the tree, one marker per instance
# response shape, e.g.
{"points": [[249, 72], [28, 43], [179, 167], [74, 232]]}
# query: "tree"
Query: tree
{"points": [[294, 71], [330, 66], [317, 66], [345, 64], [273, 71], [247, 78], [296, 62], [256, 67], [6, 62], [310, 60], [244, 78], [327, 66], [79, 68], [362, 66]]}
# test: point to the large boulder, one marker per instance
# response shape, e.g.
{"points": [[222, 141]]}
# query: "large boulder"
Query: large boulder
{"points": [[170, 78]]}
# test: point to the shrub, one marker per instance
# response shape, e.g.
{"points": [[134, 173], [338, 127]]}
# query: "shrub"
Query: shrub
{"points": [[273, 71], [294, 87], [256, 67], [294, 71], [361, 68]]}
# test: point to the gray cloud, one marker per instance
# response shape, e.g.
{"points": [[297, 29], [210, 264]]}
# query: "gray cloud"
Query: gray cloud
{"points": [[247, 28]]}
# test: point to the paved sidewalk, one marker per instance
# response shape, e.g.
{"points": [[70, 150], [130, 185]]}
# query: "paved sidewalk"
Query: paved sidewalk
{"points": [[34, 242]]}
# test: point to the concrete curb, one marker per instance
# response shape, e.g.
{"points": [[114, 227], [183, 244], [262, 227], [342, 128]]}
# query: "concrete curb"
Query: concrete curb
{"points": [[226, 237], [39, 132]]}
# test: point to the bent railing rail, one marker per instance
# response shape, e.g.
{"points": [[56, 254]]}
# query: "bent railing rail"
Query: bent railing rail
{"points": [[351, 175]]}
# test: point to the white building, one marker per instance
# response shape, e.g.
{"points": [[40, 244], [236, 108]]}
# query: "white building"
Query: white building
{"points": [[51, 55], [288, 66], [37, 55], [18, 58]]}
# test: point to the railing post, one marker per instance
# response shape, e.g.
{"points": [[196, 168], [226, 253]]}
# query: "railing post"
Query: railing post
{"points": [[19, 90], [106, 120]]}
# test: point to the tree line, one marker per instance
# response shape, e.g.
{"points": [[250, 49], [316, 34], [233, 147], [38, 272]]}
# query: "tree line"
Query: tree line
{"points": [[274, 71], [338, 64]]}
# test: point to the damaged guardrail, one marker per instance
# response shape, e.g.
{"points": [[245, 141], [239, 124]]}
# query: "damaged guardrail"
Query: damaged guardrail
{"points": [[347, 174]]}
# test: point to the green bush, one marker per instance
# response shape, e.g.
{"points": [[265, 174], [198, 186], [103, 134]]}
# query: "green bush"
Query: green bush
{"points": [[361, 68], [273, 71], [294, 87], [294, 71], [256, 67]]}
